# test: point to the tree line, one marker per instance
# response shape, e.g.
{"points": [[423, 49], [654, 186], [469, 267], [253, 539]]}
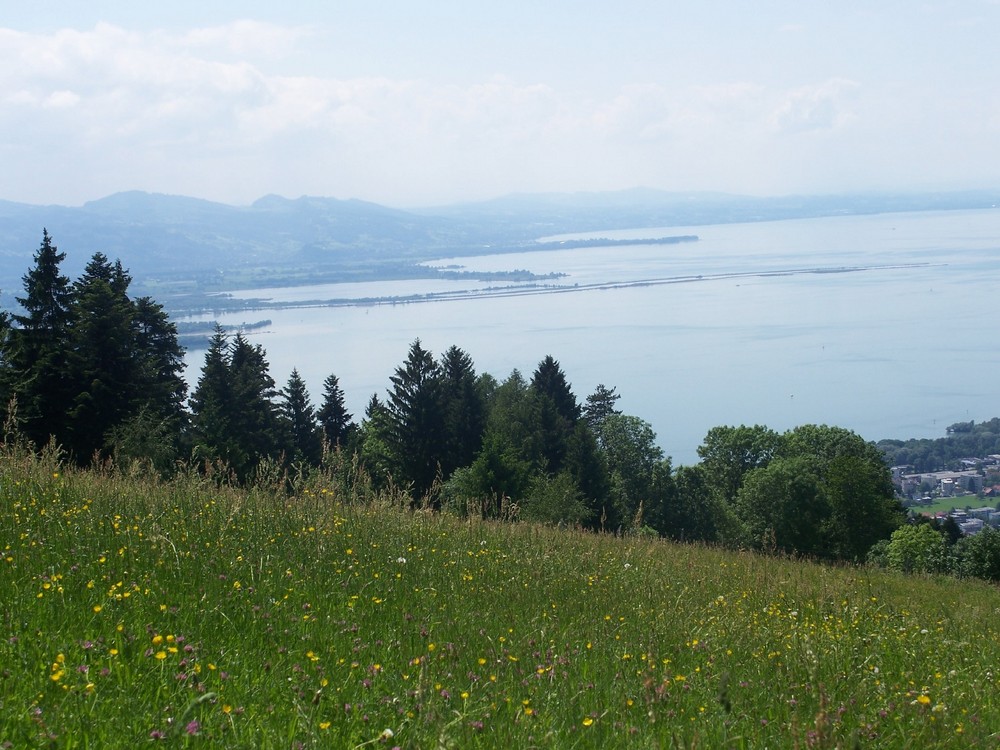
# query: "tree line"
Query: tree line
{"points": [[100, 374], [963, 440]]}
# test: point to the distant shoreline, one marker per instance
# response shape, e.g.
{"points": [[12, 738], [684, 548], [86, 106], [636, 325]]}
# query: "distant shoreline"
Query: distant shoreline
{"points": [[533, 289]]}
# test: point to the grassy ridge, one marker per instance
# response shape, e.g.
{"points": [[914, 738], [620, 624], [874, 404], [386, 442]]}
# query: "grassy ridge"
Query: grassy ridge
{"points": [[135, 612]]}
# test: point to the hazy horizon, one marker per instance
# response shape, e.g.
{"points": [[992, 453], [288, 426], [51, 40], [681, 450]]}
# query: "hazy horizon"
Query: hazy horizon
{"points": [[448, 102]]}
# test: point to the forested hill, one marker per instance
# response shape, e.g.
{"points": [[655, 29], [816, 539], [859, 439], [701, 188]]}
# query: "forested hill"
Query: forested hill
{"points": [[175, 244]]}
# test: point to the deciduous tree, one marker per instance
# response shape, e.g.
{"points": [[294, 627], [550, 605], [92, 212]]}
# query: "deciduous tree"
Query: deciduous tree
{"points": [[730, 453]]}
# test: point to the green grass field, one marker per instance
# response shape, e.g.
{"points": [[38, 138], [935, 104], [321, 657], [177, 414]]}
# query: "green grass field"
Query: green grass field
{"points": [[945, 504], [137, 612]]}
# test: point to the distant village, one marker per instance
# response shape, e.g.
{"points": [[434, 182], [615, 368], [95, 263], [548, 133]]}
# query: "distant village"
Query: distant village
{"points": [[978, 482]]}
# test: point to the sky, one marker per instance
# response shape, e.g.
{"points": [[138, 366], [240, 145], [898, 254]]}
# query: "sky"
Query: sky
{"points": [[414, 104]]}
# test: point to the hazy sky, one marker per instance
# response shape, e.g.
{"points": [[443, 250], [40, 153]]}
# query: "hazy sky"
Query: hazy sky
{"points": [[421, 103]]}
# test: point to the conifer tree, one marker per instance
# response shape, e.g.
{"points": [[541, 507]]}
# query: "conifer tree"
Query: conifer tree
{"points": [[508, 459], [463, 409], [416, 433], [160, 362], [255, 417], [6, 389], [212, 404], [557, 412], [102, 363], [375, 431], [600, 405], [235, 414], [38, 344], [587, 465], [333, 415], [549, 380], [305, 443]]}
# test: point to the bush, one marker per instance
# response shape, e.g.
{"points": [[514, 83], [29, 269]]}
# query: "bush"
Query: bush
{"points": [[979, 555], [918, 549]]}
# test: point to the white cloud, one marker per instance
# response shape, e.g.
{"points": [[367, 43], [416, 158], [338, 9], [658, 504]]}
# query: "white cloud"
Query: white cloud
{"points": [[60, 99], [820, 107], [244, 38], [235, 111]]}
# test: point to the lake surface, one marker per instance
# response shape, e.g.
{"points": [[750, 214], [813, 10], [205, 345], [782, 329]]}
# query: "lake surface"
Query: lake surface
{"points": [[883, 324]]}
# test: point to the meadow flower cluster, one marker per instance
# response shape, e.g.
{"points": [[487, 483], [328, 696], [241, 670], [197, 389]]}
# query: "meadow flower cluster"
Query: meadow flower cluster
{"points": [[138, 612]]}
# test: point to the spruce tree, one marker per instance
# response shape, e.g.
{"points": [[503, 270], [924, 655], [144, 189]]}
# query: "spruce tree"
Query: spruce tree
{"points": [[38, 345], [376, 454], [416, 420], [333, 415], [600, 405], [236, 418], [101, 365], [557, 412], [254, 411], [549, 380], [212, 404], [160, 362], [509, 457], [304, 436], [6, 374], [464, 411], [587, 465]]}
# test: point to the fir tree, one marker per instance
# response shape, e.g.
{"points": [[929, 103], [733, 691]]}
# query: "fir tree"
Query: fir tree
{"points": [[557, 412], [600, 405], [549, 380], [255, 417], [376, 454], [101, 365], [416, 432], [333, 415], [160, 361], [212, 405], [305, 443], [464, 411], [6, 374], [37, 347]]}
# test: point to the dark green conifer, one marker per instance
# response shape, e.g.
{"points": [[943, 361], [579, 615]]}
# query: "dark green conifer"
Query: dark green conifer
{"points": [[38, 345], [557, 412], [160, 361], [212, 405], [600, 405], [296, 408], [102, 362], [255, 416], [333, 416], [416, 434], [463, 408]]}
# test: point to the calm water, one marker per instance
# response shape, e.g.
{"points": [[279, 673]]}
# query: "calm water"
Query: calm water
{"points": [[902, 347]]}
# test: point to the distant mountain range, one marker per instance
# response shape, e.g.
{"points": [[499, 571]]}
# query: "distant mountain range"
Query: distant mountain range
{"points": [[176, 245]]}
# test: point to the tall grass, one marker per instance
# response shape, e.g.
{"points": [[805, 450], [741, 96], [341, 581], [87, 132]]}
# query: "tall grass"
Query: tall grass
{"points": [[190, 613]]}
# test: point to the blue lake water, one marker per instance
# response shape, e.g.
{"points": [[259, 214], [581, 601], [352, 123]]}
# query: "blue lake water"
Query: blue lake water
{"points": [[883, 324]]}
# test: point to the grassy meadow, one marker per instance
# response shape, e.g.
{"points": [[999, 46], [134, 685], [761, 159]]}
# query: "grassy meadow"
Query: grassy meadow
{"points": [[946, 504], [189, 614]]}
